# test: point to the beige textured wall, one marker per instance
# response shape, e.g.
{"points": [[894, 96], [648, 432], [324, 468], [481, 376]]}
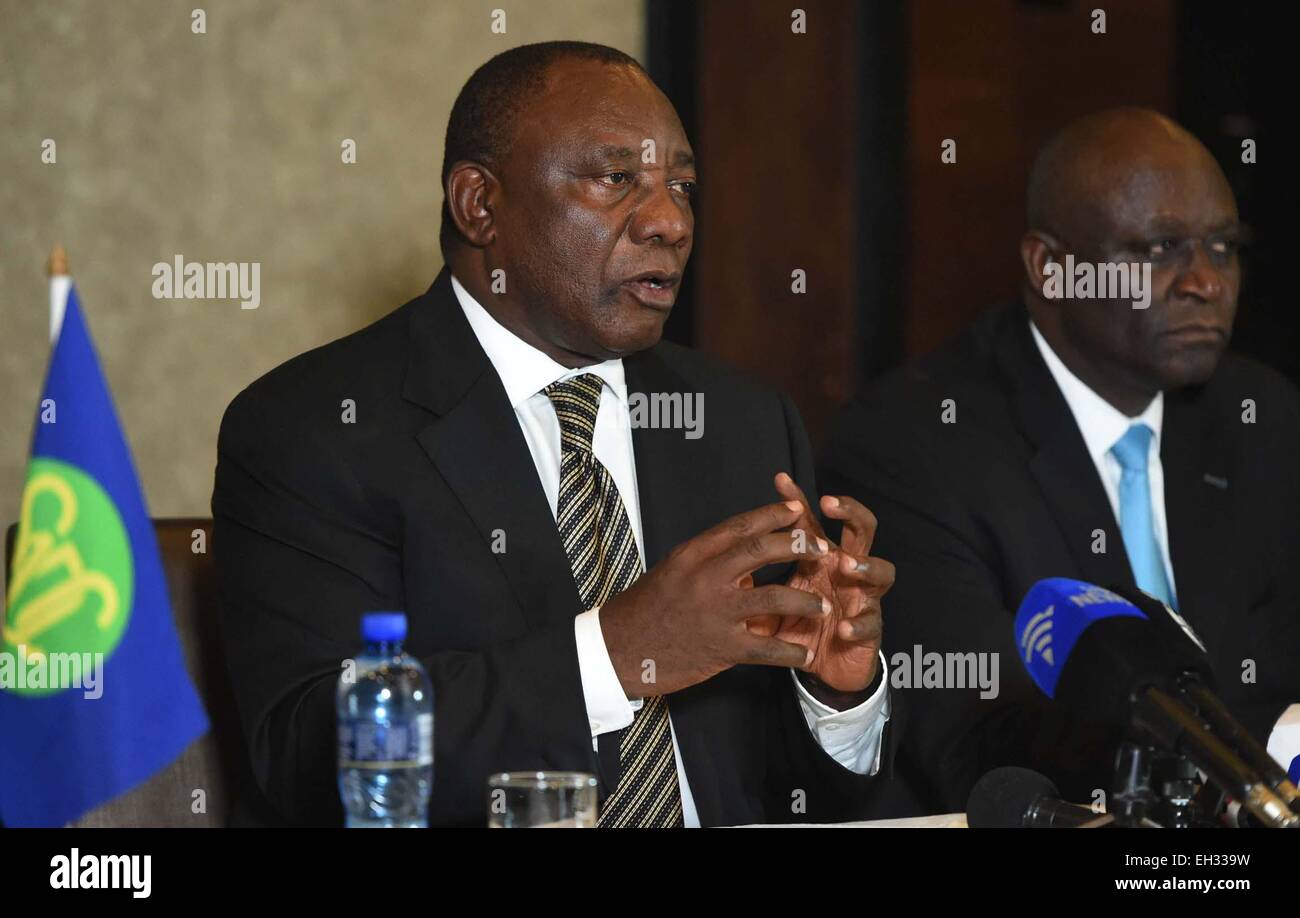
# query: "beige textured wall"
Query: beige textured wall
{"points": [[226, 147]]}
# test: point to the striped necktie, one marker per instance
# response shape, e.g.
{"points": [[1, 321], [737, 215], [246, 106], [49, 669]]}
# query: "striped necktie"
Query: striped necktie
{"points": [[602, 551]]}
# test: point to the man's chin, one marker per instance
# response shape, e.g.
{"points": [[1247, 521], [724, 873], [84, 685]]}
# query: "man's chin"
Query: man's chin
{"points": [[628, 344], [638, 327], [1190, 366]]}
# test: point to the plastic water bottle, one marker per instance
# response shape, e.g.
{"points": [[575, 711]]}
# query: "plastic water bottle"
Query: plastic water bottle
{"points": [[385, 714]]}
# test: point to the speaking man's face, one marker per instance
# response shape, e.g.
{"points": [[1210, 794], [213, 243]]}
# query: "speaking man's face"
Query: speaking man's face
{"points": [[1174, 211], [594, 224]]}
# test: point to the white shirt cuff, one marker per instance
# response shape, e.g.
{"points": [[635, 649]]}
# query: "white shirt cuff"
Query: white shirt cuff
{"points": [[852, 737], [608, 708]]}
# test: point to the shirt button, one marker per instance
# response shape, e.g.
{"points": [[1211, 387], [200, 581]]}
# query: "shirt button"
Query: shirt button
{"points": [[595, 725], [832, 726]]}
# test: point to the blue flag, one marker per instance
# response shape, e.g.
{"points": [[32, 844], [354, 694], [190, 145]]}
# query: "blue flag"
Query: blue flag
{"points": [[94, 694]]}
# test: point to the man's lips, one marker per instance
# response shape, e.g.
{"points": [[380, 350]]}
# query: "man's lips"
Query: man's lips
{"points": [[656, 289], [1196, 334]]}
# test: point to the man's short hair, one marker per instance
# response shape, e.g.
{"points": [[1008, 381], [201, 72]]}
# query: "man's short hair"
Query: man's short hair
{"points": [[482, 122]]}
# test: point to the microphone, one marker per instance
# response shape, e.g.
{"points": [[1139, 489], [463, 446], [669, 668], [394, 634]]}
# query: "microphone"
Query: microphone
{"points": [[1123, 673], [1195, 688], [1013, 798], [1061, 618]]}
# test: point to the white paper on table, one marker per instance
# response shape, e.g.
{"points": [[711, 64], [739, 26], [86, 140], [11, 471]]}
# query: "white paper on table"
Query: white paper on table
{"points": [[942, 821], [1284, 741]]}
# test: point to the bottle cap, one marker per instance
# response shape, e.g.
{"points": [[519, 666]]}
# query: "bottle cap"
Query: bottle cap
{"points": [[383, 626]]}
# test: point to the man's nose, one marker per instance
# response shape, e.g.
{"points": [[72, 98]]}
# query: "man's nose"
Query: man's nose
{"points": [[1201, 278], [663, 216]]}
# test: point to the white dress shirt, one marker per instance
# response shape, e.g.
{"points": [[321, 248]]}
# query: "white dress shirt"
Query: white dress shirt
{"points": [[851, 737], [1102, 425]]}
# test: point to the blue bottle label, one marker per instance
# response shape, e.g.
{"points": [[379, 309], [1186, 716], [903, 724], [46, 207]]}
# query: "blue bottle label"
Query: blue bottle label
{"points": [[399, 744]]}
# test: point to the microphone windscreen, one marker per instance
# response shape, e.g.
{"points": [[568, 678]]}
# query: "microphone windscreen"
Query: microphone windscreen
{"points": [[1001, 798], [1092, 650], [1055, 613], [1179, 635]]}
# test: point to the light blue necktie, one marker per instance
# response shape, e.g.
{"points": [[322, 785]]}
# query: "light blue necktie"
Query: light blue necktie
{"points": [[1135, 517]]}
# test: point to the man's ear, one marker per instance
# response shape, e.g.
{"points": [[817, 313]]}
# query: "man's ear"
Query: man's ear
{"points": [[471, 194], [1037, 251]]}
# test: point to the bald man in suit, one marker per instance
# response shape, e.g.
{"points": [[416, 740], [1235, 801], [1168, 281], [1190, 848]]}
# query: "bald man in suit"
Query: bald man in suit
{"points": [[1103, 439]]}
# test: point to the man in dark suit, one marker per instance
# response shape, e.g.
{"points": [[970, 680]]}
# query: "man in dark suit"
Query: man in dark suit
{"points": [[483, 459], [1100, 439]]}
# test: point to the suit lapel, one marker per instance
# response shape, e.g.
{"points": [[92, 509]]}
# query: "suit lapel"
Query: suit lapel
{"points": [[1061, 466], [673, 510], [1197, 507], [481, 454], [663, 458]]}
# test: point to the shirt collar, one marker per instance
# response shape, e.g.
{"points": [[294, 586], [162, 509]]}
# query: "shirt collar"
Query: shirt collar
{"points": [[524, 370], [1100, 422]]}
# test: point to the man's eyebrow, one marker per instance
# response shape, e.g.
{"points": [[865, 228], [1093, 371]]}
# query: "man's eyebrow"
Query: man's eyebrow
{"points": [[1176, 226], [613, 151], [1162, 226], [1227, 225]]}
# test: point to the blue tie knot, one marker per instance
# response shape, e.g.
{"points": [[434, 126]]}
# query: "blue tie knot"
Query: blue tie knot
{"points": [[1131, 449]]}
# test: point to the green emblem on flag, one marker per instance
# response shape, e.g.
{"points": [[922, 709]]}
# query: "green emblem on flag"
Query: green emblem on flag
{"points": [[72, 579]]}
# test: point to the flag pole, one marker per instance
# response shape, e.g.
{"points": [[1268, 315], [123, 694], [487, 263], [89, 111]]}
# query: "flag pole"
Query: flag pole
{"points": [[60, 284]]}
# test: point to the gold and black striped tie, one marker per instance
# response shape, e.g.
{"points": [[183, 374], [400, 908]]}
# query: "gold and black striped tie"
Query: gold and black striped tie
{"points": [[602, 550]]}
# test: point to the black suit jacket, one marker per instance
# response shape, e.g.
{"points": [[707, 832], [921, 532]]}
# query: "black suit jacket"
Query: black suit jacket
{"points": [[974, 512], [317, 521]]}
